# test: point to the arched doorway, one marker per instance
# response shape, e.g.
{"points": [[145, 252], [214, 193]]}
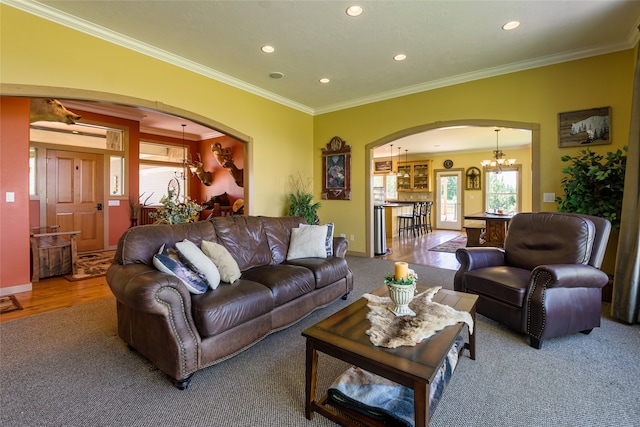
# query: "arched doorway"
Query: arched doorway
{"points": [[535, 159]]}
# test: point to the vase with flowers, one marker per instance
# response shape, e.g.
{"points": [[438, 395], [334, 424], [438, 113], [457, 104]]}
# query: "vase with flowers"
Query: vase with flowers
{"points": [[402, 287]]}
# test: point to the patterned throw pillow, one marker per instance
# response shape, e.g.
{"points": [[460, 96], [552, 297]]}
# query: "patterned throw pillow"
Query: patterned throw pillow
{"points": [[329, 241], [191, 280]]}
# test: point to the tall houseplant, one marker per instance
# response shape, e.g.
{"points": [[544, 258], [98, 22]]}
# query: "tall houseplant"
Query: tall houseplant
{"points": [[594, 184], [301, 200]]}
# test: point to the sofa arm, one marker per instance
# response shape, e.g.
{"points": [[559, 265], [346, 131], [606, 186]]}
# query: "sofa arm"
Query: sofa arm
{"points": [[154, 317], [340, 246], [568, 276]]}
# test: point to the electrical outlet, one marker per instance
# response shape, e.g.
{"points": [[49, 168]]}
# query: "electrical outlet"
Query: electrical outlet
{"points": [[352, 238], [343, 235], [549, 197]]}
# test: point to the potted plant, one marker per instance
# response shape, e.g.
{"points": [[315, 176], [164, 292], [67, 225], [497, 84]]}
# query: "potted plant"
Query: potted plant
{"points": [[402, 288], [301, 201], [594, 187], [174, 212]]}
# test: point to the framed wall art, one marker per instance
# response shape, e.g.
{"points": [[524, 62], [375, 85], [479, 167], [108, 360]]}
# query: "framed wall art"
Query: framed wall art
{"points": [[584, 128], [382, 166], [473, 179], [336, 170]]}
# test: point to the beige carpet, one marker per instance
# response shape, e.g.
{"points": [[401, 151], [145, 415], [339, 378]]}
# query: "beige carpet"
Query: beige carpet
{"points": [[93, 264]]}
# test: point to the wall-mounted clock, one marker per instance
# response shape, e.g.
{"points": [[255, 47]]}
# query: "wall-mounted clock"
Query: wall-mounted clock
{"points": [[448, 164]]}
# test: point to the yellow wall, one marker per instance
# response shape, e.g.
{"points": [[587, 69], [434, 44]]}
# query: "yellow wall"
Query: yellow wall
{"points": [[41, 53], [532, 96], [43, 58]]}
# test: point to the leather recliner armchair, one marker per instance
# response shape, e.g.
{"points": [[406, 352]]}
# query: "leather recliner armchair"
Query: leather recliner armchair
{"points": [[547, 281]]}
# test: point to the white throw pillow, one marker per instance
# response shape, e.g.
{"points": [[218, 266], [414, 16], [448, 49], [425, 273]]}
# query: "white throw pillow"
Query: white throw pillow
{"points": [[227, 266], [329, 242], [308, 242], [196, 260]]}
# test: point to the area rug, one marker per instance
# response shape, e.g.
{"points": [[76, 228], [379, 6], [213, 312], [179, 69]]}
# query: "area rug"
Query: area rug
{"points": [[451, 245], [8, 304], [93, 264]]}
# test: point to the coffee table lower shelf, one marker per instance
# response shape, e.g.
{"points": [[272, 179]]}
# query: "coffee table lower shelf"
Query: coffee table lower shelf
{"points": [[343, 336]]}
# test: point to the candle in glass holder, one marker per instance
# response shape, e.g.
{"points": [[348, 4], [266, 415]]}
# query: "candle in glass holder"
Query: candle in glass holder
{"points": [[401, 270]]}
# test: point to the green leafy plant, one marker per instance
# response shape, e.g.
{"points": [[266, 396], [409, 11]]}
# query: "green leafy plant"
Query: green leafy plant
{"points": [[301, 200], [595, 184], [173, 212]]}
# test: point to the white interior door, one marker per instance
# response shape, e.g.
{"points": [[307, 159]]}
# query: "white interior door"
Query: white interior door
{"points": [[449, 200]]}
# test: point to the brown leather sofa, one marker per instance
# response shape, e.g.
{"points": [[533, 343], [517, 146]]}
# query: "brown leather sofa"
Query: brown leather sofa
{"points": [[180, 332], [547, 281]]}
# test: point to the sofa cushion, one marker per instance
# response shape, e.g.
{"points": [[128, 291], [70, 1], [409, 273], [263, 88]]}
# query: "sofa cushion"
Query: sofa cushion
{"points": [[230, 305], [328, 243], [227, 266], [286, 282], [308, 242], [245, 238], [325, 270], [196, 260], [278, 231], [194, 283]]}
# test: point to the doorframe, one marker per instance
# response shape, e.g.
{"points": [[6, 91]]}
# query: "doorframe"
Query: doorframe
{"points": [[368, 194], [436, 199]]}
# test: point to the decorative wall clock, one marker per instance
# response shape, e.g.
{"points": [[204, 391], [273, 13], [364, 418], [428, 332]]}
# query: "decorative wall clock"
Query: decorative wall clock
{"points": [[448, 164]]}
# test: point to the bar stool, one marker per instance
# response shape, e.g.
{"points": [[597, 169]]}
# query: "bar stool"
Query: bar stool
{"points": [[409, 222], [425, 216]]}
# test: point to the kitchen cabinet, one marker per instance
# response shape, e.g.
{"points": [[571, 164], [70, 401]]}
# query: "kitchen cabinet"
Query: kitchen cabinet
{"points": [[414, 176]]}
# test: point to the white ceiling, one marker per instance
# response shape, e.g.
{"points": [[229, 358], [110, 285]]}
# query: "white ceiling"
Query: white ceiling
{"points": [[446, 42]]}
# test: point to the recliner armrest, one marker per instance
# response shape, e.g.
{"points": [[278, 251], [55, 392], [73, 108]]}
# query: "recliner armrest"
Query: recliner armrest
{"points": [[568, 276], [340, 246], [479, 257]]}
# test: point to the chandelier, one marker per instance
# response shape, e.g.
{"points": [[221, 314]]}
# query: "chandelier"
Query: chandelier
{"points": [[495, 165]]}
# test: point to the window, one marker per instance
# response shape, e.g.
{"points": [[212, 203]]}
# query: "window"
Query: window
{"points": [[389, 184], [32, 171], [161, 168], [503, 190]]}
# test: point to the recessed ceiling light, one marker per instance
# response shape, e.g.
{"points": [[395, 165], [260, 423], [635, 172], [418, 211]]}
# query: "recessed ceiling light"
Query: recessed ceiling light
{"points": [[354, 10], [276, 75], [511, 25], [324, 80], [268, 49], [400, 57]]}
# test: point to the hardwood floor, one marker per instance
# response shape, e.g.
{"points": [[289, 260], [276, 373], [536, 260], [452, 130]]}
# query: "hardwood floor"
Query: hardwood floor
{"points": [[57, 292]]}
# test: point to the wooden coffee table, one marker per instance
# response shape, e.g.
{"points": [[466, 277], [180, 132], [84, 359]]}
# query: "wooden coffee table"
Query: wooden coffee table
{"points": [[343, 336]]}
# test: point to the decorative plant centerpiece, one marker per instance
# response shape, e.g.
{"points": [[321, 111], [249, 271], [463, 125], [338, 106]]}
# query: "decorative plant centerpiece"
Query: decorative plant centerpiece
{"points": [[402, 288], [174, 212]]}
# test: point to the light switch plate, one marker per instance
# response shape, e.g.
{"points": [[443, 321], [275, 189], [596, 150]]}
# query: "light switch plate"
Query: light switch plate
{"points": [[11, 197], [549, 197]]}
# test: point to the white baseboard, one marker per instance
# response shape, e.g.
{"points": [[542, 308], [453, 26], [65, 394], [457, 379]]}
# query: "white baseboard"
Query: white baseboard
{"points": [[10, 290]]}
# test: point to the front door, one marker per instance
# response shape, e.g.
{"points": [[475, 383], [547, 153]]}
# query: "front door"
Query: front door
{"points": [[449, 200], [75, 196]]}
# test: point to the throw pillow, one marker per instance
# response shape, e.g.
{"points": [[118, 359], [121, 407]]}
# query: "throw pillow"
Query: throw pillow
{"points": [[195, 259], [191, 280], [329, 242], [308, 242], [227, 266]]}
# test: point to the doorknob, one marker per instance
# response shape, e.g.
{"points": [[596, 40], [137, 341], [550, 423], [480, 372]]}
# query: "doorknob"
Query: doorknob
{"points": [[99, 206]]}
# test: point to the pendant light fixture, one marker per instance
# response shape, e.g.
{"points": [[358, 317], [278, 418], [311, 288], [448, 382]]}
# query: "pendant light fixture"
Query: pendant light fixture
{"points": [[406, 161], [495, 165], [391, 172]]}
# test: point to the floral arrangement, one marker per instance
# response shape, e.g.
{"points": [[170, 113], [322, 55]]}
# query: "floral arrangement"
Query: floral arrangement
{"points": [[411, 279], [173, 212]]}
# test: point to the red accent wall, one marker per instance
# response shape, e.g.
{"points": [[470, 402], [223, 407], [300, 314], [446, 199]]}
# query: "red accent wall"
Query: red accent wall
{"points": [[14, 177]]}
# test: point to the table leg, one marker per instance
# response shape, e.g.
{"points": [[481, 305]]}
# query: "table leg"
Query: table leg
{"points": [[310, 378], [421, 403]]}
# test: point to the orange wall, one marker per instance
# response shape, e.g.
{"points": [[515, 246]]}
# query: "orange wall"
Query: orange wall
{"points": [[14, 177]]}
